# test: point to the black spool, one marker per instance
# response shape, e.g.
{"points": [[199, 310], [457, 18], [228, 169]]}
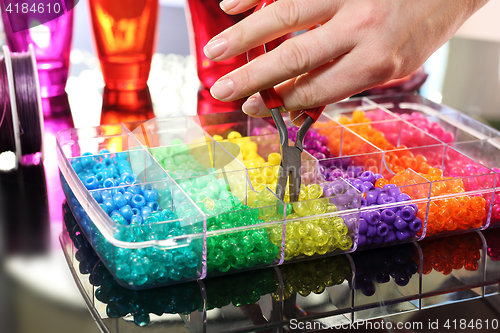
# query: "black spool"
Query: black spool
{"points": [[21, 130]]}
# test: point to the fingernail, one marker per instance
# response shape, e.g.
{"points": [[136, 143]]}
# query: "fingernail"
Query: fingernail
{"points": [[228, 4], [215, 48], [251, 106], [222, 89]]}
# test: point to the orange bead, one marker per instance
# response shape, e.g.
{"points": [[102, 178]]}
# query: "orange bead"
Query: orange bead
{"points": [[381, 182]]}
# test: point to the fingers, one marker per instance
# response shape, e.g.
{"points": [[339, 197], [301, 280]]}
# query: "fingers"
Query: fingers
{"points": [[294, 57], [339, 79], [233, 7], [267, 24]]}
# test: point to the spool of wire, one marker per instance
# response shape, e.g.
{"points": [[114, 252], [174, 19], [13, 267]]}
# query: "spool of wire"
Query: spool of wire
{"points": [[21, 118]]}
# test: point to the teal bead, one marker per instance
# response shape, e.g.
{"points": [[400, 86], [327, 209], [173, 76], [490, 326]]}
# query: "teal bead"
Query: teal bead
{"points": [[140, 265], [141, 319], [122, 271], [175, 274], [137, 279], [223, 184], [213, 187]]}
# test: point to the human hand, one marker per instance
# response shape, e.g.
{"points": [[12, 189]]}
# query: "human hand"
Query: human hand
{"points": [[360, 44]]}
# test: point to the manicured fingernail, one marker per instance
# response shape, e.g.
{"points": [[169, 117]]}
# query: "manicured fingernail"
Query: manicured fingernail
{"points": [[251, 106], [228, 4], [222, 89], [215, 48]]}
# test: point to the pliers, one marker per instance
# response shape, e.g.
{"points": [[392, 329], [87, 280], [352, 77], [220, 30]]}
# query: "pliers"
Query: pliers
{"points": [[290, 155]]}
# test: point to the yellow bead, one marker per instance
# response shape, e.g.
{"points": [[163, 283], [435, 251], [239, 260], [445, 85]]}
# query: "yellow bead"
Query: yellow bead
{"points": [[345, 242], [251, 197], [308, 247], [317, 206], [305, 229], [254, 173], [314, 191], [234, 135], [259, 187], [320, 237], [274, 158], [218, 137], [268, 174], [258, 180]]}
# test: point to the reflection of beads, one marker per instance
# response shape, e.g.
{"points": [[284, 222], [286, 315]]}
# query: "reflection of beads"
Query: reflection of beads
{"points": [[451, 253], [313, 276], [492, 237], [378, 266]]}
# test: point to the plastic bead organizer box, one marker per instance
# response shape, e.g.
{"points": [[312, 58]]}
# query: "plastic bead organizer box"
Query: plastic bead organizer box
{"points": [[180, 199]]}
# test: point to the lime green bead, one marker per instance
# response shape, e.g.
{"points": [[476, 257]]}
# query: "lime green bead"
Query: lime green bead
{"points": [[345, 242], [308, 247], [320, 237], [305, 229]]}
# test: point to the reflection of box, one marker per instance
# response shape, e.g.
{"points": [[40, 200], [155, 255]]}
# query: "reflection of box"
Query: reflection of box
{"points": [[220, 219]]}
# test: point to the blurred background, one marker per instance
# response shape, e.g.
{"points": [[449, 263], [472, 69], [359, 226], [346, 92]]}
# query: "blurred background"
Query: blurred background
{"points": [[37, 291]]}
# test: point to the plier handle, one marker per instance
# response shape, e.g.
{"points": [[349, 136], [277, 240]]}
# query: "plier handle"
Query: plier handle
{"points": [[290, 155]]}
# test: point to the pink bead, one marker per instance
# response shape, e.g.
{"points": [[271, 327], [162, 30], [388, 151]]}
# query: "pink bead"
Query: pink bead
{"points": [[447, 137]]}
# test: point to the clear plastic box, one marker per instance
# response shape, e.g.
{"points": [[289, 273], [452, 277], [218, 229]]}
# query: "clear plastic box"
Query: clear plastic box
{"points": [[213, 209]]}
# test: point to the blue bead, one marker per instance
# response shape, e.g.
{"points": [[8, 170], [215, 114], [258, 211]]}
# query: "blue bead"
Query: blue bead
{"points": [[138, 201], [97, 196], [110, 204], [134, 189], [100, 176], [115, 212], [128, 196], [153, 205], [108, 173], [98, 167], [127, 178], [109, 182], [117, 190], [121, 156], [91, 183], [104, 151], [108, 162], [119, 199], [77, 165], [106, 194], [126, 212], [136, 211], [150, 195], [136, 219], [116, 176], [87, 160], [145, 211]]}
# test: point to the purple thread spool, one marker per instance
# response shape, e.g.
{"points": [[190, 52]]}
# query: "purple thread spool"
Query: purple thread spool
{"points": [[52, 44]]}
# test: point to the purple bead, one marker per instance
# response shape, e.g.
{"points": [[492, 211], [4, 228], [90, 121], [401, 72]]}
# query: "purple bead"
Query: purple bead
{"points": [[324, 150], [408, 213], [381, 197], [328, 192], [403, 197], [371, 231], [391, 237], [382, 229], [371, 196], [388, 216], [357, 184], [415, 225], [402, 235], [392, 190], [363, 226], [400, 224], [338, 187], [365, 187], [357, 170], [363, 202], [369, 241], [377, 176], [361, 240], [372, 217], [367, 176], [319, 156], [377, 239], [388, 200]]}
